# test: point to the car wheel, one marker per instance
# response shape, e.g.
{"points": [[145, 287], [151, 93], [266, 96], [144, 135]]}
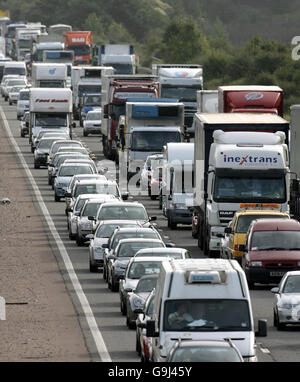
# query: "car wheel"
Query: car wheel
{"points": [[49, 181], [114, 286], [104, 273], [22, 134], [56, 198], [85, 134], [10, 103], [250, 284], [71, 236], [131, 325], [137, 346], [32, 149], [36, 166], [109, 283], [274, 319], [123, 307], [153, 197], [93, 268], [79, 242]]}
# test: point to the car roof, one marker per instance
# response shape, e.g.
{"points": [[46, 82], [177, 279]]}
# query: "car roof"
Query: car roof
{"points": [[208, 343], [95, 196], [138, 239], [274, 224], [116, 221], [92, 176], [68, 164], [260, 212], [96, 181], [148, 258], [125, 204], [133, 229], [167, 250]]}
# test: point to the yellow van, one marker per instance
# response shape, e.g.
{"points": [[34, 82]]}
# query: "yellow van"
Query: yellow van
{"points": [[238, 227]]}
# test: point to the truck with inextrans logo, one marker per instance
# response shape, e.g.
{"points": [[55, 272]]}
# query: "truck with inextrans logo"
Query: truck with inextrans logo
{"points": [[49, 109], [239, 158]]}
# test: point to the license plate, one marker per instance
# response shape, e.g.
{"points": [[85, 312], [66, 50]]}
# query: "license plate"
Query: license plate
{"points": [[277, 273]]}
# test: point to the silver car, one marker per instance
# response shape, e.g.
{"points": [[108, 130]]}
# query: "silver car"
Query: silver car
{"points": [[66, 142], [84, 224], [24, 129], [92, 123], [13, 94], [175, 252], [22, 102], [101, 237], [64, 175], [42, 151], [287, 300]]}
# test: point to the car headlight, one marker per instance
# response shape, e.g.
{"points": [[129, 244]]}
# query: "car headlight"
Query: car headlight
{"points": [[98, 253], [285, 305], [119, 269], [86, 225], [298, 263], [255, 264], [137, 303]]}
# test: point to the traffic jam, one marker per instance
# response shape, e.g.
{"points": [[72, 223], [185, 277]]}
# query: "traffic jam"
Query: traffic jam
{"points": [[136, 162]]}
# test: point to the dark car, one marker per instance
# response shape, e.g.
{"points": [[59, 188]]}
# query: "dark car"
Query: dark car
{"points": [[271, 249]]}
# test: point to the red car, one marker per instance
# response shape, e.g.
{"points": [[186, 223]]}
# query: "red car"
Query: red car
{"points": [[271, 249]]}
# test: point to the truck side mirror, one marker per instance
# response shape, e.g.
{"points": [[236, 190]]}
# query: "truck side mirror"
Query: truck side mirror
{"points": [[150, 329], [295, 187], [262, 328], [105, 111]]}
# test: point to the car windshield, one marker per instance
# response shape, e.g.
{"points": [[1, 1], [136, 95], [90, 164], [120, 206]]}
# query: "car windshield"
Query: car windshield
{"points": [[24, 96], [205, 354], [91, 209], [107, 189], [206, 315], [235, 189], [79, 204], [153, 140], [74, 170], [120, 212], [92, 100], [16, 82], [182, 93], [174, 255], [142, 268], [16, 89], [292, 284], [78, 149], [93, 117], [51, 119], [129, 235], [106, 230], [130, 249], [245, 220], [146, 285], [275, 240], [45, 143]]}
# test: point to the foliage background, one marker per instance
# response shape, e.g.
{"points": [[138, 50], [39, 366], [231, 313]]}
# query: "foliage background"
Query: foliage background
{"points": [[236, 41]]}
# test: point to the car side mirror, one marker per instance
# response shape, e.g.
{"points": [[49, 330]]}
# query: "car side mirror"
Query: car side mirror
{"points": [[228, 230], [275, 290], [242, 248], [125, 196], [92, 218], [111, 257], [68, 194], [77, 213], [262, 328], [104, 245], [170, 245], [90, 236], [128, 290], [74, 125], [152, 218]]}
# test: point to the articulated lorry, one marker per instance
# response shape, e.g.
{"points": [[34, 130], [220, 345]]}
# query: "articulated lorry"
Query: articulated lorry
{"points": [[49, 75], [120, 57], [22, 43], [81, 43], [115, 90], [49, 109], [86, 80], [181, 82], [239, 158], [149, 126]]}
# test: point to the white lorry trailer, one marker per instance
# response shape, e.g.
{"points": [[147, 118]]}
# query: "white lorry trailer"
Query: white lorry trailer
{"points": [[23, 41], [120, 57], [149, 126], [49, 109], [177, 183], [49, 75], [202, 299], [181, 82], [245, 161]]}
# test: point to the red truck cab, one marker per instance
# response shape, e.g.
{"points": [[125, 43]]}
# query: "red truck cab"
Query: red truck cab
{"points": [[81, 43], [245, 99], [271, 249], [119, 91]]}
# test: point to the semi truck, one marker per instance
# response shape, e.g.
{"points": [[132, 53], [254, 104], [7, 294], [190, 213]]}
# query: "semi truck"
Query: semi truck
{"points": [[180, 81], [149, 126], [46, 75], [23, 42], [86, 80], [239, 158], [49, 109], [177, 183], [120, 57], [81, 43], [115, 90], [245, 99]]}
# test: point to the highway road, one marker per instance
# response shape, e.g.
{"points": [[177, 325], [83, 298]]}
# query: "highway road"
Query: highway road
{"points": [[104, 328]]}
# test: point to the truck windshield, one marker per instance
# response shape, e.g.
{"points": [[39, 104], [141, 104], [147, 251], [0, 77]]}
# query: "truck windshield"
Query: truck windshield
{"points": [[182, 93], [51, 119], [80, 50], [207, 315], [88, 88], [153, 140], [275, 240], [251, 189], [92, 100], [245, 220], [121, 68], [24, 44], [24, 96], [51, 84]]}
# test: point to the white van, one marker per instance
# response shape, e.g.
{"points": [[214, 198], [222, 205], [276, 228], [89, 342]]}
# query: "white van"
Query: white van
{"points": [[22, 103], [199, 299], [15, 67]]}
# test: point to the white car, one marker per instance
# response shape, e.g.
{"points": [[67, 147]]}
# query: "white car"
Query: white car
{"points": [[22, 102], [13, 94], [4, 81], [24, 129], [11, 83], [287, 300], [92, 123], [152, 162]]}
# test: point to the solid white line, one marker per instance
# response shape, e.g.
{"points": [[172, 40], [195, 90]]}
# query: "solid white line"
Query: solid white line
{"points": [[97, 336]]}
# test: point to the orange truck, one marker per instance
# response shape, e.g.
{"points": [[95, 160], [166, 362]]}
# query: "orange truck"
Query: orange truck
{"points": [[81, 43]]}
